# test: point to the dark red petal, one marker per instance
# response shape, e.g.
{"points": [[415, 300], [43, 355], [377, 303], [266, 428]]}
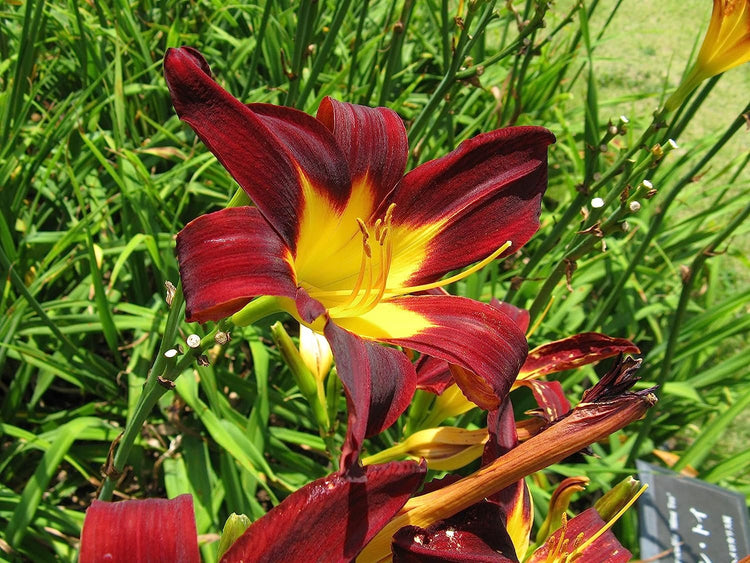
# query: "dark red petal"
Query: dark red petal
{"points": [[501, 426], [330, 519], [227, 258], [514, 501], [575, 351], [433, 375], [313, 148], [264, 154], [488, 190], [520, 316], [605, 549], [150, 530], [379, 384], [549, 396], [475, 534], [373, 140], [484, 343]]}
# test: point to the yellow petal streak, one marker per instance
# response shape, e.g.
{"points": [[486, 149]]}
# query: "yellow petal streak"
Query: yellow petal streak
{"points": [[385, 321]]}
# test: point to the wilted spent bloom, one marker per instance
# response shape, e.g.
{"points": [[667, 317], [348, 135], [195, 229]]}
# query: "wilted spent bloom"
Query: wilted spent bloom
{"points": [[726, 45]]}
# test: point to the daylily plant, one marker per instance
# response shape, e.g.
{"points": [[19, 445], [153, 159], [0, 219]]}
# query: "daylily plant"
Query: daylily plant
{"points": [[341, 239], [374, 519]]}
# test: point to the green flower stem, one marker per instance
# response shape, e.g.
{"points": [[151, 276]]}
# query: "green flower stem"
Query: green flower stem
{"points": [[239, 199], [257, 309], [353, 66], [394, 52], [418, 410], [688, 84], [684, 115], [306, 17], [397, 451], [463, 47], [580, 250], [166, 368], [257, 50], [658, 218], [572, 212], [674, 329], [321, 57]]}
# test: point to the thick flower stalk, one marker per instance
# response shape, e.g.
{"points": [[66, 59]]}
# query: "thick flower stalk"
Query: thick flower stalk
{"points": [[339, 238], [726, 45]]}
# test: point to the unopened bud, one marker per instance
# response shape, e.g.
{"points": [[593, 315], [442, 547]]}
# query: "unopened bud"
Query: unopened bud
{"points": [[315, 352], [235, 526], [193, 341], [597, 203], [171, 353], [635, 207]]}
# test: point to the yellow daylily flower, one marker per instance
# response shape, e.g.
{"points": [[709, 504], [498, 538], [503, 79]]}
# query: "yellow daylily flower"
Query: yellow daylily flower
{"points": [[726, 45]]}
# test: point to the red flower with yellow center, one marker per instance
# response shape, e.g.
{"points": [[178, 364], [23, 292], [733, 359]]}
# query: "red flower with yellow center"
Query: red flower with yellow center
{"points": [[341, 239]]}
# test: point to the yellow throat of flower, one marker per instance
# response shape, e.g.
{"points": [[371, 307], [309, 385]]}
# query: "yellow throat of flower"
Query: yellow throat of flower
{"points": [[371, 284]]}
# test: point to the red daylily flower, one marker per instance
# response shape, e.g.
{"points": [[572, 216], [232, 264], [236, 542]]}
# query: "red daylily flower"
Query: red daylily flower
{"points": [[342, 239], [485, 516], [352, 512]]}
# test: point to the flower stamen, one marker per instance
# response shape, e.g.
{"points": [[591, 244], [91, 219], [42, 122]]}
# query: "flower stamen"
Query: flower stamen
{"points": [[459, 276], [366, 294]]}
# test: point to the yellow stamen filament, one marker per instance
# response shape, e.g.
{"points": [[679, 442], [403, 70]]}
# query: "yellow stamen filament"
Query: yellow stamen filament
{"points": [[366, 294], [576, 553], [538, 322], [359, 301], [560, 553], [461, 275]]}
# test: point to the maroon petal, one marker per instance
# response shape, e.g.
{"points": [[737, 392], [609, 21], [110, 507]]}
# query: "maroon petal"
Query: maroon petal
{"points": [[265, 151], [227, 258], [488, 191], [149, 531], [379, 384], [475, 534], [606, 548], [486, 348], [330, 519], [549, 396], [373, 140], [433, 375], [573, 352], [520, 316]]}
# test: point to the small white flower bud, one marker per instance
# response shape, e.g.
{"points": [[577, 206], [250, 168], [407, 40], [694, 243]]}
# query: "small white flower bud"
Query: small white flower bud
{"points": [[597, 202], [635, 206], [193, 341]]}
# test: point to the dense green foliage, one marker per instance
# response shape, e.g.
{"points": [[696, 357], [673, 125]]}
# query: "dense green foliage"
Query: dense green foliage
{"points": [[97, 175]]}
